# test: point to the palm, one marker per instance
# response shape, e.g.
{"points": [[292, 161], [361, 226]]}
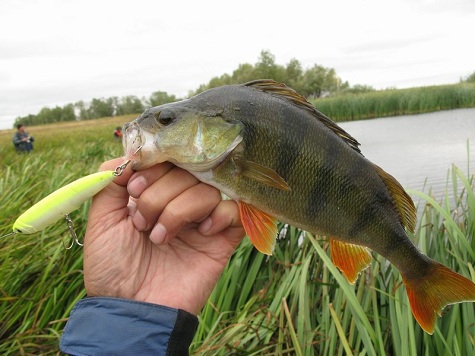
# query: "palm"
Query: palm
{"points": [[121, 261]]}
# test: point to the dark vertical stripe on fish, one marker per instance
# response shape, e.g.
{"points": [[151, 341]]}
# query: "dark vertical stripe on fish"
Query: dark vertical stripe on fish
{"points": [[250, 131], [368, 215], [288, 151], [318, 195], [323, 182]]}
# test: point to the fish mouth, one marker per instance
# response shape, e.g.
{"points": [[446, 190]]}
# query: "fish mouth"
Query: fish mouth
{"points": [[139, 147], [133, 140]]}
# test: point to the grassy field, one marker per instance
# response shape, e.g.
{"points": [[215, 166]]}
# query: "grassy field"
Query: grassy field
{"points": [[294, 302], [349, 107]]}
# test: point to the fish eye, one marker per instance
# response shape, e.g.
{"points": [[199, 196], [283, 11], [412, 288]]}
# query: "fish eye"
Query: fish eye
{"points": [[165, 117]]}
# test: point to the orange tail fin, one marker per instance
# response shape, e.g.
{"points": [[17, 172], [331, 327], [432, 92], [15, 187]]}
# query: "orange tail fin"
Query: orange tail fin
{"points": [[429, 296]]}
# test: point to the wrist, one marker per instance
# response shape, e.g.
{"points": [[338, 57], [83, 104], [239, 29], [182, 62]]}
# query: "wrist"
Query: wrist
{"points": [[115, 325]]}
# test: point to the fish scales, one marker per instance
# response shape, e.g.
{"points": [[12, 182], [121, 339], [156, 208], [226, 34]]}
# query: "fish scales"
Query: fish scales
{"points": [[270, 150], [323, 166]]}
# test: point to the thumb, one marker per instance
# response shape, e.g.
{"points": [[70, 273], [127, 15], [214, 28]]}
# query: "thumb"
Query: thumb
{"points": [[114, 197], [113, 164]]}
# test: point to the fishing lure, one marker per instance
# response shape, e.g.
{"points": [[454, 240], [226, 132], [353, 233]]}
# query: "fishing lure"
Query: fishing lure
{"points": [[61, 202]]}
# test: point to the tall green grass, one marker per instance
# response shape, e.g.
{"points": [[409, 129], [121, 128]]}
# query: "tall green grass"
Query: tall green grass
{"points": [[297, 302], [349, 107], [39, 280], [292, 303]]}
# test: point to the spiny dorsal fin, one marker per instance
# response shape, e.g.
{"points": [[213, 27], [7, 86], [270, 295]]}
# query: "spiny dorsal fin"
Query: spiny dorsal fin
{"points": [[273, 87], [404, 203]]}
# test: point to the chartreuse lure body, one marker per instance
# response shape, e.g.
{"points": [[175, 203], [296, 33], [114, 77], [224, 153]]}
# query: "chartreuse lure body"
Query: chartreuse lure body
{"points": [[61, 202]]}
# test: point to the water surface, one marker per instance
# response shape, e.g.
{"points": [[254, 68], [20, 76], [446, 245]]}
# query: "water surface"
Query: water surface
{"points": [[419, 149]]}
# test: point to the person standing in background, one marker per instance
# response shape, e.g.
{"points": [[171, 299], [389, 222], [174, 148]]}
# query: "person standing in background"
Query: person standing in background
{"points": [[22, 141], [118, 133]]}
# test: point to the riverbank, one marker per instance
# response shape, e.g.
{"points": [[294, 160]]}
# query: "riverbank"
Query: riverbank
{"points": [[394, 102], [350, 106]]}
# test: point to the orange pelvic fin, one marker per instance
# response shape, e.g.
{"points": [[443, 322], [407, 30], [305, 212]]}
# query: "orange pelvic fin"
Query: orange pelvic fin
{"points": [[350, 259], [260, 227], [431, 294]]}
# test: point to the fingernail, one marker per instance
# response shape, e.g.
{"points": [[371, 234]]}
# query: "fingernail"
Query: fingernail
{"points": [[139, 221], [158, 234], [205, 226], [136, 186]]}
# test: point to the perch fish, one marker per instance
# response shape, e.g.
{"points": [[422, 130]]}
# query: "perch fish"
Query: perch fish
{"points": [[265, 146]]}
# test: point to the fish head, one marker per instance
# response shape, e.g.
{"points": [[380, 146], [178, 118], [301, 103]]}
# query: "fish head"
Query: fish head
{"points": [[194, 138]]}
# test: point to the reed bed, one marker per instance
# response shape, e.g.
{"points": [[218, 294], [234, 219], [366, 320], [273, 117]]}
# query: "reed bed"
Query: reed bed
{"points": [[392, 102], [296, 302], [292, 303]]}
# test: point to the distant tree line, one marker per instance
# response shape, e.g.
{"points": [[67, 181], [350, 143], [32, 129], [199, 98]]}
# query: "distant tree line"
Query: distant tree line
{"points": [[468, 79], [314, 82], [97, 108]]}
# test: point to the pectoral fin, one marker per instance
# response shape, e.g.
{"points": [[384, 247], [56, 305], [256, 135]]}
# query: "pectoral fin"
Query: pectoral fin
{"points": [[260, 173], [350, 259], [259, 226]]}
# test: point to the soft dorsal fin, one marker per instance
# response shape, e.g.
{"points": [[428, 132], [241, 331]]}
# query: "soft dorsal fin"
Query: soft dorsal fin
{"points": [[404, 203], [276, 88]]}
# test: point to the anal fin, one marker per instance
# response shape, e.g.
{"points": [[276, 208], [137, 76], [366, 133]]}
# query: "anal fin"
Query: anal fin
{"points": [[260, 227], [350, 259]]}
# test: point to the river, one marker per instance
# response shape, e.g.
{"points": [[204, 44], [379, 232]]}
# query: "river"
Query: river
{"points": [[419, 150]]}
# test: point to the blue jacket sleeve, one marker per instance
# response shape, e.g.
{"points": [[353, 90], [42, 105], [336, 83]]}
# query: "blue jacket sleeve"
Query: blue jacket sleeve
{"points": [[105, 326]]}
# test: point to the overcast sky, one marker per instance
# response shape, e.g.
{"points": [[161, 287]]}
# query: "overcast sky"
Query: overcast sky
{"points": [[54, 52]]}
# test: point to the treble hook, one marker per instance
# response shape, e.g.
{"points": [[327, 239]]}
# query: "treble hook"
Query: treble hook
{"points": [[74, 237], [9, 234]]}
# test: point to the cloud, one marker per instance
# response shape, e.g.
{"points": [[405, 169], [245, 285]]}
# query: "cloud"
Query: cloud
{"points": [[55, 51], [365, 48]]}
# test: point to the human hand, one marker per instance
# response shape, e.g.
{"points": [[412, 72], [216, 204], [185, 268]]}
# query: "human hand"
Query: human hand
{"points": [[194, 234]]}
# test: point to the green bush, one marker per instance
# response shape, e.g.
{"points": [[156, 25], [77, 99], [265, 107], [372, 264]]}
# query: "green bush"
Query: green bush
{"points": [[349, 106]]}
